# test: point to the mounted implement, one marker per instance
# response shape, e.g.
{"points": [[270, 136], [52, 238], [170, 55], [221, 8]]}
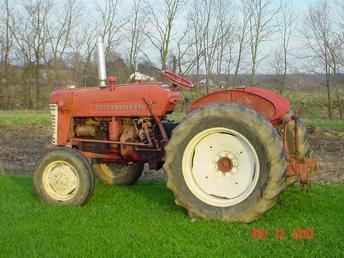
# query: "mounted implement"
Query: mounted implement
{"points": [[229, 159]]}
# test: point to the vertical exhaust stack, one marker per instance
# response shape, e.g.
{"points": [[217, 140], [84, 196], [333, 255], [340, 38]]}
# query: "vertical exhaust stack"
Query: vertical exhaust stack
{"points": [[101, 63]]}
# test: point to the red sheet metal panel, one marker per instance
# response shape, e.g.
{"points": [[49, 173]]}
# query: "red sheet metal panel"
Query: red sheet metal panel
{"points": [[121, 101], [266, 102]]}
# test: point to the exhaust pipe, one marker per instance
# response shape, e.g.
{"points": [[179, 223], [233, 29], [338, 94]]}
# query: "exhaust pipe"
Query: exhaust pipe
{"points": [[101, 63]]}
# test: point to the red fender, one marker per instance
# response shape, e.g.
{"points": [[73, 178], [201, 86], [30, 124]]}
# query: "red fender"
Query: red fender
{"points": [[266, 102]]}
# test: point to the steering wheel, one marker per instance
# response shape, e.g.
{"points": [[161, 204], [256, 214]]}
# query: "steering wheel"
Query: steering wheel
{"points": [[176, 79]]}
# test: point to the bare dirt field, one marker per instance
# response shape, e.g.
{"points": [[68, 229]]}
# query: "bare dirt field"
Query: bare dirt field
{"points": [[22, 146]]}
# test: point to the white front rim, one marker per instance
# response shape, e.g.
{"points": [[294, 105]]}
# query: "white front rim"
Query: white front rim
{"points": [[201, 170], [60, 180]]}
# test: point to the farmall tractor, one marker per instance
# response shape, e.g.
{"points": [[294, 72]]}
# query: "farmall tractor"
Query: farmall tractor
{"points": [[229, 159]]}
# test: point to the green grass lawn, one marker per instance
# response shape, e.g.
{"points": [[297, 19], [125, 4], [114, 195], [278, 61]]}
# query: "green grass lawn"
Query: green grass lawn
{"points": [[325, 123], [142, 221], [21, 117], [42, 118], [313, 122]]}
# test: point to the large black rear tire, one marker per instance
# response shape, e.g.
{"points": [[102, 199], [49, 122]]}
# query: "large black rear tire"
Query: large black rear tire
{"points": [[263, 140]]}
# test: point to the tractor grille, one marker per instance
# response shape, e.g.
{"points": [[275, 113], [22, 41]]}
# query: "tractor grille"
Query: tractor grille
{"points": [[54, 122]]}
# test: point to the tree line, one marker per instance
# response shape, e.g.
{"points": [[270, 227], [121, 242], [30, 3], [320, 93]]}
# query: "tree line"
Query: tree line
{"points": [[46, 43]]}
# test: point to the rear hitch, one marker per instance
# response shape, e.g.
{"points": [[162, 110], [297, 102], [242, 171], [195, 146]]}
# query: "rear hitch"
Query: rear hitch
{"points": [[300, 165], [302, 169]]}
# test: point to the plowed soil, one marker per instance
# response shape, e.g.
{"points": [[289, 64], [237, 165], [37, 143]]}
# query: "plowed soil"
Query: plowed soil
{"points": [[21, 147]]}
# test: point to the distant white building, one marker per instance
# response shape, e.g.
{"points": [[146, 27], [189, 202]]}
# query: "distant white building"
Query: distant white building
{"points": [[203, 82], [140, 77]]}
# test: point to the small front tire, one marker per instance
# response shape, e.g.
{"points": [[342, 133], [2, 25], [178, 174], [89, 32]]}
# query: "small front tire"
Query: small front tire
{"points": [[64, 177]]}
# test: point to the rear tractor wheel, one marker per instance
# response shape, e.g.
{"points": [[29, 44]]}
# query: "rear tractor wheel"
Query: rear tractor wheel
{"points": [[225, 162], [64, 177], [118, 174]]}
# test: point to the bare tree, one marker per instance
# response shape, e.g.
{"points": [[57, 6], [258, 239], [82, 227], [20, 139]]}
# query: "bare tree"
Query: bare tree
{"points": [[197, 27], [211, 27], [183, 46], [210, 39], [184, 57], [261, 15], [277, 64], [226, 31], [163, 22], [112, 24], [335, 51], [29, 31], [318, 33], [6, 45], [215, 38], [241, 35], [83, 46], [60, 29], [136, 32], [285, 30]]}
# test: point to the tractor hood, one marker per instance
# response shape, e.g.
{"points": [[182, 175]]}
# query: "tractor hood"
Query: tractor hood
{"points": [[128, 100]]}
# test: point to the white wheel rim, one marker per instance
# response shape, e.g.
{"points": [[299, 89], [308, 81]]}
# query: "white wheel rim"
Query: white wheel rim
{"points": [[203, 174], [60, 180]]}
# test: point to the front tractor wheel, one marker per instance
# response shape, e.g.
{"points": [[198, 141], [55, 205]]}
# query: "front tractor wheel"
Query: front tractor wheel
{"points": [[226, 162], [64, 177]]}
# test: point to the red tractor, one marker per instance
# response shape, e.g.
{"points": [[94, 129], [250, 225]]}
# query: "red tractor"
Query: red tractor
{"points": [[229, 159]]}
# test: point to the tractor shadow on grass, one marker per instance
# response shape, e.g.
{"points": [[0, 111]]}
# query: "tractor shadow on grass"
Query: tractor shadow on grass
{"points": [[157, 194]]}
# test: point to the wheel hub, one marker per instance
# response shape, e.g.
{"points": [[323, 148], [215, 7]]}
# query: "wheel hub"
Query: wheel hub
{"points": [[60, 180], [220, 167], [225, 165]]}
